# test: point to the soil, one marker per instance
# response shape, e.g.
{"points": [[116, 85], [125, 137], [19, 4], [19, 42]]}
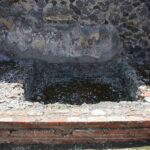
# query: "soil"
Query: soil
{"points": [[13, 77]]}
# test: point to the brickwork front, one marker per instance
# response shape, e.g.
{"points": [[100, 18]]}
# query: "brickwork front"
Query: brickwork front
{"points": [[49, 127]]}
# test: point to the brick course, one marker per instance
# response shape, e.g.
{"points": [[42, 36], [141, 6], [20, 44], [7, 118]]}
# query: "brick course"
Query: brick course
{"points": [[31, 129]]}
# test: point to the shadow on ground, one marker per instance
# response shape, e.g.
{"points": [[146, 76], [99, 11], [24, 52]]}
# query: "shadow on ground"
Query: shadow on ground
{"points": [[145, 145]]}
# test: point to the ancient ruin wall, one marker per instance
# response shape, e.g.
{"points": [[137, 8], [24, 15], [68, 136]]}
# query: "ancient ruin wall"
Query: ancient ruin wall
{"points": [[131, 18]]}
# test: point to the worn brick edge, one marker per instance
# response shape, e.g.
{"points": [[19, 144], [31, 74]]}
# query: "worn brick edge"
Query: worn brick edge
{"points": [[22, 130]]}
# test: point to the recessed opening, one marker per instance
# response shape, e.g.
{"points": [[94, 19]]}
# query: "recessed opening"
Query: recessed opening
{"points": [[75, 84], [77, 91]]}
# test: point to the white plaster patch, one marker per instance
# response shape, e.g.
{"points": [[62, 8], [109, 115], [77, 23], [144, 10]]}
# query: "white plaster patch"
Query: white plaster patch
{"points": [[6, 119], [98, 112], [76, 119], [147, 99]]}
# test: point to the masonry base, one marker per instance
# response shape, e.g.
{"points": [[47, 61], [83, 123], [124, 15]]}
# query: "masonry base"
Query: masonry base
{"points": [[61, 132]]}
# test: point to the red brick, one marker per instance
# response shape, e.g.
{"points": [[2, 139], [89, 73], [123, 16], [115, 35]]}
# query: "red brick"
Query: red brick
{"points": [[69, 140], [139, 131], [32, 133], [4, 133], [105, 140], [115, 131], [30, 127], [145, 94], [87, 132], [69, 129]]}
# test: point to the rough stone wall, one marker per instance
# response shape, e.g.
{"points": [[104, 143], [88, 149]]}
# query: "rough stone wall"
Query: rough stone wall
{"points": [[130, 17]]}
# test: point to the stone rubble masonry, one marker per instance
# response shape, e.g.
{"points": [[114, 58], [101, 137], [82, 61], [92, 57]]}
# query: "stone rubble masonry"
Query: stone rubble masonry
{"points": [[122, 124], [24, 24], [74, 43], [125, 121], [100, 123]]}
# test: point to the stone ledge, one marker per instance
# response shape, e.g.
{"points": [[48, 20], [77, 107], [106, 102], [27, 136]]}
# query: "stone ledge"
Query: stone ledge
{"points": [[103, 122], [21, 127]]}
